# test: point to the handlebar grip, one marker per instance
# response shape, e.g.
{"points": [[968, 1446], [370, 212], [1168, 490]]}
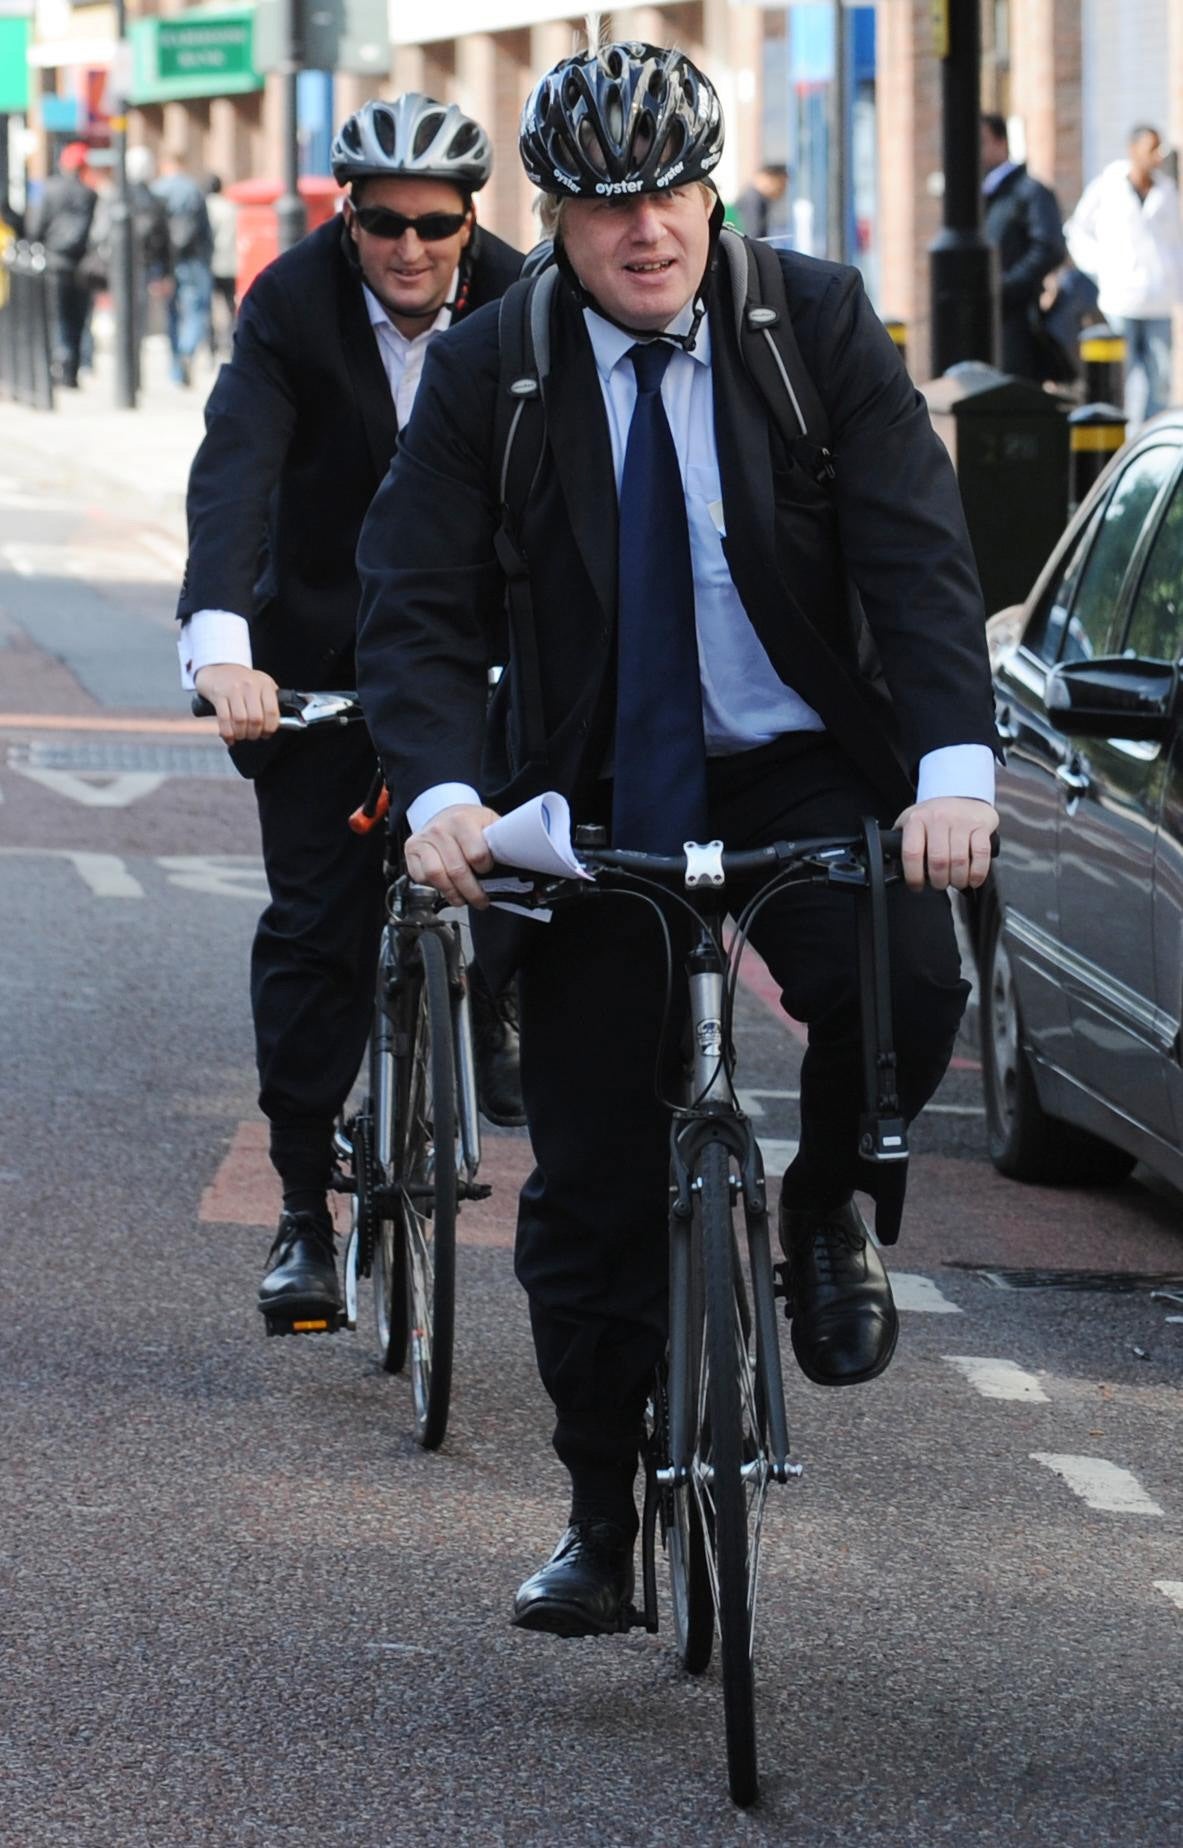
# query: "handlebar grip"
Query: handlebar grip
{"points": [[200, 708]]}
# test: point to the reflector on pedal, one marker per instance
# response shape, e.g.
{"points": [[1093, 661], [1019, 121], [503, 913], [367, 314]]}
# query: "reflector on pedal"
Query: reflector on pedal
{"points": [[309, 1328]]}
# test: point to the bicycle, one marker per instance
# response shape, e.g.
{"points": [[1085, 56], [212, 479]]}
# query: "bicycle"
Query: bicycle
{"points": [[408, 1157], [716, 1434]]}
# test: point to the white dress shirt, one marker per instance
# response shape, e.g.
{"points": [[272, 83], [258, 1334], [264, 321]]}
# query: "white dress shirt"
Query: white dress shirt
{"points": [[216, 636], [745, 703]]}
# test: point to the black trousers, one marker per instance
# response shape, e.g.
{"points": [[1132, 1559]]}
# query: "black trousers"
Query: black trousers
{"points": [[592, 1241], [316, 947], [69, 301]]}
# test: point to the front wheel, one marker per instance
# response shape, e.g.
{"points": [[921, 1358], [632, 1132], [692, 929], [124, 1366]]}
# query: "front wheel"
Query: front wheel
{"points": [[729, 1472], [429, 1165]]}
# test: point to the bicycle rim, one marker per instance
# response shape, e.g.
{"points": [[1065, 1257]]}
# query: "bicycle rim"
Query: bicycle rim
{"points": [[389, 1266], [729, 1470], [429, 1176]]}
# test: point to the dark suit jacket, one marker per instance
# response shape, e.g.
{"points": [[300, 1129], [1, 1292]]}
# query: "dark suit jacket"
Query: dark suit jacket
{"points": [[1023, 219], [432, 590], [300, 429]]}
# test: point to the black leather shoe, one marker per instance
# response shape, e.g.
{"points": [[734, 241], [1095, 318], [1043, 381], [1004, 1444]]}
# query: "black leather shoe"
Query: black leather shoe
{"points": [[844, 1322], [299, 1293], [498, 1058], [586, 1586]]}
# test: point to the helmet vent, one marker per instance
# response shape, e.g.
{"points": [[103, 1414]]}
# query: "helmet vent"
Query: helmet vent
{"points": [[384, 131], [426, 133]]}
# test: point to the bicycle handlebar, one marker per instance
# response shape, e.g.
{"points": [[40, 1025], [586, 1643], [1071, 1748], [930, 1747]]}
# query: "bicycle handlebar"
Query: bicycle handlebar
{"points": [[300, 711]]}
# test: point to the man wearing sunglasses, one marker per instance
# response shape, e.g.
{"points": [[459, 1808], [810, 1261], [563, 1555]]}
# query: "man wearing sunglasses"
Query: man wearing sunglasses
{"points": [[301, 427]]}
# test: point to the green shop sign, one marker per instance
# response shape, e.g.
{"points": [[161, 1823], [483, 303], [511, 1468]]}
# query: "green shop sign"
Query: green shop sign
{"points": [[194, 54], [14, 66]]}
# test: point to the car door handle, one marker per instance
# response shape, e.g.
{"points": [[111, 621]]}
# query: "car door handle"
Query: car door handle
{"points": [[1073, 777]]}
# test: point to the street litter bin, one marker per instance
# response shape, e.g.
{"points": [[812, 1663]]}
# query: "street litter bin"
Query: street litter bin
{"points": [[1009, 443], [257, 231]]}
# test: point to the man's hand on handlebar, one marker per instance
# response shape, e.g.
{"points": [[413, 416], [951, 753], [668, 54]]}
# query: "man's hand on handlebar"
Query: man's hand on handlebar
{"points": [[243, 699], [946, 842], [450, 853]]}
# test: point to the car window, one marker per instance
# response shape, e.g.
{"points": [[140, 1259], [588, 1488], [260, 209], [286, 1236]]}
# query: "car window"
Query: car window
{"points": [[1156, 620], [1091, 628], [1042, 634]]}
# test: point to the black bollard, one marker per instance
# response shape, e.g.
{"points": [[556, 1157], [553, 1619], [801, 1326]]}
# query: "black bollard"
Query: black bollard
{"points": [[1102, 354], [1095, 434], [899, 334]]}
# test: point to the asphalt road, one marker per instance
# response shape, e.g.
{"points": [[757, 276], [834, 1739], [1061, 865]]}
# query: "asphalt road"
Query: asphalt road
{"points": [[239, 1606]]}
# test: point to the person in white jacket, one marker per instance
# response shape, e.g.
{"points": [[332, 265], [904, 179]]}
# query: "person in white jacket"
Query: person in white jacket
{"points": [[1126, 234]]}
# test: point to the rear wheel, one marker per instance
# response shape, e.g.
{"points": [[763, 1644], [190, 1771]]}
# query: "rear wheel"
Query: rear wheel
{"points": [[1026, 1143], [429, 1164], [729, 1475]]}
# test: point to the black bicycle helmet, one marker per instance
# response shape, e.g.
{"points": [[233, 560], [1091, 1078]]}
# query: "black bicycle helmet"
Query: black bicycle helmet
{"points": [[412, 136], [629, 118]]}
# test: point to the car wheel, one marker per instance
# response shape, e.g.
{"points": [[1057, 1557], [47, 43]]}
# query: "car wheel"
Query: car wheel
{"points": [[1025, 1142]]}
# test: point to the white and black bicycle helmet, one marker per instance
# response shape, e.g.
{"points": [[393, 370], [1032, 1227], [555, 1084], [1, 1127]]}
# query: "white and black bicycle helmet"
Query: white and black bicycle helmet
{"points": [[412, 136], [629, 118]]}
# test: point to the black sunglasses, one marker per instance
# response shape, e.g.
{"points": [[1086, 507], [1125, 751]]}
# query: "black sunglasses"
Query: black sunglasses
{"points": [[430, 228]]}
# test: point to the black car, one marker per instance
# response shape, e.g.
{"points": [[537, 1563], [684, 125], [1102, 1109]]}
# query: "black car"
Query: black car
{"points": [[1079, 933]]}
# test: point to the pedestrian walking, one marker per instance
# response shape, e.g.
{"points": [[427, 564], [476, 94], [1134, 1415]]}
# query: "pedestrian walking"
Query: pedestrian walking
{"points": [[190, 248], [301, 426], [1023, 220], [223, 218], [753, 208], [151, 247], [683, 666], [1126, 234], [60, 220]]}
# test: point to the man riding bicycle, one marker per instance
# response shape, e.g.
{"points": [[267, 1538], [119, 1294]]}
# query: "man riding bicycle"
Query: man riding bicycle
{"points": [[301, 426], [732, 636]]}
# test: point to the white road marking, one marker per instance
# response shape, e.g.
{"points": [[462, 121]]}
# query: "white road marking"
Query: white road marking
{"points": [[1172, 1589], [222, 876], [93, 564], [115, 790], [105, 873], [998, 1379], [1100, 1484], [750, 1104], [919, 1295], [777, 1155]]}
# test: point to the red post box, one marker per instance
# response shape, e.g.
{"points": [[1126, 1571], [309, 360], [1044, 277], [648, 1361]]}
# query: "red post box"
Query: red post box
{"points": [[258, 240]]}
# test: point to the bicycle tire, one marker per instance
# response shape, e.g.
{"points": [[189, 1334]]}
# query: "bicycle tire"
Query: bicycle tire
{"points": [[428, 1168], [720, 1451], [389, 1263], [691, 1602]]}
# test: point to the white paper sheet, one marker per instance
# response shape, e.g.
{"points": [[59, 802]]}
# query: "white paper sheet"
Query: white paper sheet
{"points": [[536, 836]]}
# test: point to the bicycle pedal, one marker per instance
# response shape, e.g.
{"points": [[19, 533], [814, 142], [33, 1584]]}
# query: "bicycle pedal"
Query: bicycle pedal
{"points": [[474, 1190], [305, 1324]]}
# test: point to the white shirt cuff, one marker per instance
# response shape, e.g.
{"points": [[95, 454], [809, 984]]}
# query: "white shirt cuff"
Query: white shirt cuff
{"points": [[441, 796], [211, 637], [957, 770]]}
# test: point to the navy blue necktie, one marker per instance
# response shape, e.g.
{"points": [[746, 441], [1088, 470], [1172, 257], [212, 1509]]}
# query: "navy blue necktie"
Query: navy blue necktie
{"points": [[660, 786]]}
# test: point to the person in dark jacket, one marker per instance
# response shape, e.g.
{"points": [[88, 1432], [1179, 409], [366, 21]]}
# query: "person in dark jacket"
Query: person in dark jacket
{"points": [[767, 188], [301, 426], [694, 675], [1023, 220], [60, 221]]}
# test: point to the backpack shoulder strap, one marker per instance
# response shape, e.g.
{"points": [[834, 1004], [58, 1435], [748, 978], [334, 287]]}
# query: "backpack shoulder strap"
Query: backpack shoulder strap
{"points": [[518, 447], [768, 346]]}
